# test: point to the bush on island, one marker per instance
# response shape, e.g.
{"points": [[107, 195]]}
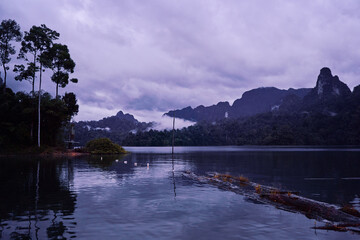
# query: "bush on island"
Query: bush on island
{"points": [[103, 146]]}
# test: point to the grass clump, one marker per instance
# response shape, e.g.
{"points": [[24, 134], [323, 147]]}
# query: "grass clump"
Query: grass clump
{"points": [[350, 210], [243, 179], [258, 189], [229, 178], [103, 146]]}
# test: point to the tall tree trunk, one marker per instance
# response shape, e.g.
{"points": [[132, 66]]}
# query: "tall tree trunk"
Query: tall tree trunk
{"points": [[32, 129], [57, 90], [4, 77], [33, 94], [39, 106], [33, 82]]}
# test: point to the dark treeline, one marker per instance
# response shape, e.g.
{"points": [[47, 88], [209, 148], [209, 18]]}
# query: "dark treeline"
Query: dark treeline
{"points": [[19, 115], [23, 115], [263, 129]]}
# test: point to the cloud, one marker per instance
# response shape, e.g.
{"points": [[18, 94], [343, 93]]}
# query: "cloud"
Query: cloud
{"points": [[147, 57], [166, 122]]}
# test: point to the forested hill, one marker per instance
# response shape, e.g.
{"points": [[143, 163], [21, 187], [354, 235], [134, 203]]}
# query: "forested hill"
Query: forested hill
{"points": [[114, 127], [255, 101]]}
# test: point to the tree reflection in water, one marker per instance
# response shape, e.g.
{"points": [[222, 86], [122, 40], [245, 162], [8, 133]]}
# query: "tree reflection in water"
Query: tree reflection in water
{"points": [[36, 194]]}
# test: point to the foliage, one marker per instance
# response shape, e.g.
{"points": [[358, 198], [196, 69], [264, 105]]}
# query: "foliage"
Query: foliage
{"points": [[103, 146], [18, 113], [58, 59], [38, 40], [18, 110], [9, 31]]}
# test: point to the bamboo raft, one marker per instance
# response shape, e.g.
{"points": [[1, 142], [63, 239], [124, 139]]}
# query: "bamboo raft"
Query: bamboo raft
{"points": [[335, 218]]}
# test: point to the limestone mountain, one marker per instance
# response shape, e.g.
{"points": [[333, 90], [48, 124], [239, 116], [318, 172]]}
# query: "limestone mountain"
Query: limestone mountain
{"points": [[255, 101], [327, 87], [329, 96]]}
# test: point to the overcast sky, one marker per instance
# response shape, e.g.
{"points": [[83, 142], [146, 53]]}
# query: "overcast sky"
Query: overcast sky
{"points": [[148, 57]]}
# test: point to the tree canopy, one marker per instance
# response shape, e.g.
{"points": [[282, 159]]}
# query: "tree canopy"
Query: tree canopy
{"points": [[58, 59], [21, 110], [9, 31]]}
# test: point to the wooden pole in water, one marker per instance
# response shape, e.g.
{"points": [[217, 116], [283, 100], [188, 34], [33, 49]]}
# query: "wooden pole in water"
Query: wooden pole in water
{"points": [[172, 155], [173, 140], [173, 137]]}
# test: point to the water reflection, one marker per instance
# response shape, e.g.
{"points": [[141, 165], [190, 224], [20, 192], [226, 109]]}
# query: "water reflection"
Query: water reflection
{"points": [[138, 195], [326, 176], [36, 195]]}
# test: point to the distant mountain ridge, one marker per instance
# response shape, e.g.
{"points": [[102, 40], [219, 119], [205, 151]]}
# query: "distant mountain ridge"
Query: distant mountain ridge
{"points": [[252, 102], [328, 114]]}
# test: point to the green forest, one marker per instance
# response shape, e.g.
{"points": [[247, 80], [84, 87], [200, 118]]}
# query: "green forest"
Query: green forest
{"points": [[35, 119]]}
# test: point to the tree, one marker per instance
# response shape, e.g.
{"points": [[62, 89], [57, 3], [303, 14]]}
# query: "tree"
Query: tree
{"points": [[60, 62], [37, 42], [9, 31], [26, 73], [71, 104]]}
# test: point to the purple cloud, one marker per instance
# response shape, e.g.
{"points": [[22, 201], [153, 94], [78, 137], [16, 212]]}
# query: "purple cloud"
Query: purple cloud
{"points": [[147, 57]]}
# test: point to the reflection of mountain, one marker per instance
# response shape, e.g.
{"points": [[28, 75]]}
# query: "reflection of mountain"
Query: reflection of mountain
{"points": [[319, 175], [34, 190]]}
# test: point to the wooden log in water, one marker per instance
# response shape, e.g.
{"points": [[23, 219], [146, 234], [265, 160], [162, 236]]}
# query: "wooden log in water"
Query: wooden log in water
{"points": [[341, 218]]}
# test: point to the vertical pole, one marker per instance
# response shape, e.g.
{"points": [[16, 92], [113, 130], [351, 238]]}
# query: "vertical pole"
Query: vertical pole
{"points": [[173, 142], [172, 155]]}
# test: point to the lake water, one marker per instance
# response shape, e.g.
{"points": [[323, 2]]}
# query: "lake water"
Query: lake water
{"points": [[90, 198]]}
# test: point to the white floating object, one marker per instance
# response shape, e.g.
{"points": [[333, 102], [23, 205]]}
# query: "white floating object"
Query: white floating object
{"points": [[135, 164], [117, 160], [125, 162], [148, 165], [101, 158]]}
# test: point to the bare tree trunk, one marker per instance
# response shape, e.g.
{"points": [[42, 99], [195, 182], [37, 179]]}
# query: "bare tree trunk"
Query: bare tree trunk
{"points": [[33, 82], [33, 94], [57, 90], [39, 106], [4, 77], [32, 129]]}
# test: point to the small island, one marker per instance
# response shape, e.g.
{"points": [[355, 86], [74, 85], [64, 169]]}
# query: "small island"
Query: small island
{"points": [[103, 146]]}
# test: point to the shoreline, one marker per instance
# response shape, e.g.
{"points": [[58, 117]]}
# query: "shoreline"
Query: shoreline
{"points": [[47, 153], [67, 153]]}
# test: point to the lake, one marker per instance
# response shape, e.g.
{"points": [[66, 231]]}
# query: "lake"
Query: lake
{"points": [[138, 196]]}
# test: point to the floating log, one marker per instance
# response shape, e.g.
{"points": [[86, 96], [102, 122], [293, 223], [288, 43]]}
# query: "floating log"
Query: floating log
{"points": [[342, 219]]}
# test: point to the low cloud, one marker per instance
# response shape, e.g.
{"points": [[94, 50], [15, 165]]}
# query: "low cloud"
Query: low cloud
{"points": [[166, 122]]}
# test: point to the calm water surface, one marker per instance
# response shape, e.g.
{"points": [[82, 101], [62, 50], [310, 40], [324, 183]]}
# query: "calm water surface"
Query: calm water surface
{"points": [[90, 198]]}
